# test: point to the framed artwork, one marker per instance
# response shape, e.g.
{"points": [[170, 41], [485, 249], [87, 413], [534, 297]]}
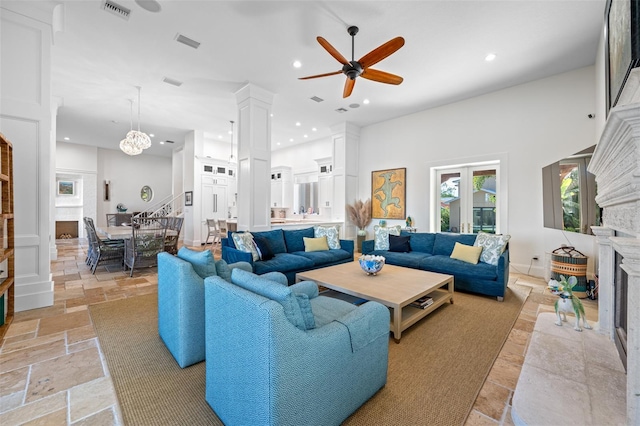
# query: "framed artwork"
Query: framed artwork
{"points": [[622, 46], [66, 187], [388, 194], [188, 198]]}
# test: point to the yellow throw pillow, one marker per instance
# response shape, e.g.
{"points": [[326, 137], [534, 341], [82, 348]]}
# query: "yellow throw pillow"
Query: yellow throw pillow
{"points": [[315, 244], [469, 254]]}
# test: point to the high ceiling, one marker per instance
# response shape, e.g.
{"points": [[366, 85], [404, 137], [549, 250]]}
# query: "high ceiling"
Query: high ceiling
{"points": [[99, 59]]}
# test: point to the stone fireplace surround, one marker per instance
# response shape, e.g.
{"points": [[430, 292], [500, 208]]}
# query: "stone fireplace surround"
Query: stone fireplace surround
{"points": [[616, 164]]}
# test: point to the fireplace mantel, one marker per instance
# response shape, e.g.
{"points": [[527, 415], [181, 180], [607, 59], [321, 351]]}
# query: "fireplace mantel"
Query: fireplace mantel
{"points": [[616, 165]]}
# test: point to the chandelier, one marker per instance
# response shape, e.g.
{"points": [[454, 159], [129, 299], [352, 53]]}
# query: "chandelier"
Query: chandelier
{"points": [[232, 159], [135, 141]]}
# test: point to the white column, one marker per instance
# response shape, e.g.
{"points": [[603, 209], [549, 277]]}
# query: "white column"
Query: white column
{"points": [[26, 30], [346, 142], [254, 158], [629, 248], [606, 271]]}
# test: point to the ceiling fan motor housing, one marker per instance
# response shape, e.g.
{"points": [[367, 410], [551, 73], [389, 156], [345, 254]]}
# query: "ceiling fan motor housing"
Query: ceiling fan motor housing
{"points": [[352, 70]]}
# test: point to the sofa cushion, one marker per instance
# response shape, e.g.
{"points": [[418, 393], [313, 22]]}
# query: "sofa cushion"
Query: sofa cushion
{"points": [[469, 254], [381, 235], [399, 244], [421, 241], [283, 262], [324, 257], [315, 244], [447, 265], [265, 252], [274, 291], [332, 234], [492, 246], [244, 242], [444, 243], [411, 259], [293, 238], [275, 238], [202, 261]]}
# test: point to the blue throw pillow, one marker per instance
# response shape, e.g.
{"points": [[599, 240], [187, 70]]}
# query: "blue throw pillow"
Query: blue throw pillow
{"points": [[202, 261], [294, 239], [264, 248], [275, 237], [399, 244]]}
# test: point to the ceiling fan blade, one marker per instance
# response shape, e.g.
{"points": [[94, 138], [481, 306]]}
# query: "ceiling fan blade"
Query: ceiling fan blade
{"points": [[348, 87], [320, 75], [332, 50], [381, 52], [381, 76]]}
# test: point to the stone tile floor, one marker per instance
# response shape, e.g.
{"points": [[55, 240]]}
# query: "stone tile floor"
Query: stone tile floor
{"points": [[52, 371]]}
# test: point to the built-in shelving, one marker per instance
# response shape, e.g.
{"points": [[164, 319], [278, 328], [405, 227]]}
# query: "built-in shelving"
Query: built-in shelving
{"points": [[7, 270]]}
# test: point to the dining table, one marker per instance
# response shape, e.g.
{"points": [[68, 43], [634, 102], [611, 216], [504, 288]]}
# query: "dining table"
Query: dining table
{"points": [[122, 232]]}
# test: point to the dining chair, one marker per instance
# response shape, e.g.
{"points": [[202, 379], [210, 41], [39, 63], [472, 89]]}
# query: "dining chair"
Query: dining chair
{"points": [[102, 252], [117, 219], [173, 234], [212, 231], [147, 240]]}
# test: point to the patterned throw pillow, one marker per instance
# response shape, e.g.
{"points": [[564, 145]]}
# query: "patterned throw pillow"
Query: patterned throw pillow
{"points": [[492, 246], [332, 234], [244, 242], [381, 236]]}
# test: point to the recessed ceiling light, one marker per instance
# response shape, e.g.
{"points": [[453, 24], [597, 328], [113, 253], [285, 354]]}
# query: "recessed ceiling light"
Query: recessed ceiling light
{"points": [[298, 124], [306, 136], [366, 101], [161, 142], [151, 135], [313, 129], [219, 136], [354, 106], [490, 57], [66, 138], [150, 5], [114, 121], [297, 64], [291, 140], [278, 143]]}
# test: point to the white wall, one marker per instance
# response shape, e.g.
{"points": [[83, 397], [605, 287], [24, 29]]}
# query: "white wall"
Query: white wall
{"points": [[303, 162], [128, 174], [531, 125]]}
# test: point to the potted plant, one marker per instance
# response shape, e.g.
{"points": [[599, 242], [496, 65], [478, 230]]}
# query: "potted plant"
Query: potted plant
{"points": [[360, 215]]}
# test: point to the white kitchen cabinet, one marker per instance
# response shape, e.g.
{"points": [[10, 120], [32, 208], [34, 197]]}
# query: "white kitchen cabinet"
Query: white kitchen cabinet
{"points": [[281, 187]]}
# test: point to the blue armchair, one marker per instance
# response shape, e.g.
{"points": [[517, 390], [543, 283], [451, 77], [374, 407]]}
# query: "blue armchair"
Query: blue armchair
{"points": [[283, 355], [181, 300]]}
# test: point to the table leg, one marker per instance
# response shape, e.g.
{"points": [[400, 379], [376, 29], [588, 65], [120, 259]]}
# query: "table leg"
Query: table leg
{"points": [[397, 323]]}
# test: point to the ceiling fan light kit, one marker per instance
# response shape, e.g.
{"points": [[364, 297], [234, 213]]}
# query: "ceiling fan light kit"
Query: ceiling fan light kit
{"points": [[360, 68]]}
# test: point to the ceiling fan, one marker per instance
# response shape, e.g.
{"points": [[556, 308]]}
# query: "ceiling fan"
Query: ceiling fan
{"points": [[360, 68]]}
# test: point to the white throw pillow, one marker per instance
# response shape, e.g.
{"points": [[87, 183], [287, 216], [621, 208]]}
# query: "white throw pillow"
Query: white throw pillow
{"points": [[492, 246], [332, 234], [381, 236], [244, 242]]}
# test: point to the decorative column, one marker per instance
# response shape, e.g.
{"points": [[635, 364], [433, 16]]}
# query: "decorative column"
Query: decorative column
{"points": [[346, 142], [254, 158], [629, 248], [606, 259]]}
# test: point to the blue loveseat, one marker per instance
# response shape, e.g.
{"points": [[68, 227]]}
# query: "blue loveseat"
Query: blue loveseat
{"points": [[284, 355], [289, 252], [432, 251]]}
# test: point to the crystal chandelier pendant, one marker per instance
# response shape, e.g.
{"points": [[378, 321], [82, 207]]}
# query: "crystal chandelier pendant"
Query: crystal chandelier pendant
{"points": [[128, 147], [139, 139]]}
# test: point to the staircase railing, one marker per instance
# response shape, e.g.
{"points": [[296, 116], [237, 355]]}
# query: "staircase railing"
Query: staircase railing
{"points": [[169, 206]]}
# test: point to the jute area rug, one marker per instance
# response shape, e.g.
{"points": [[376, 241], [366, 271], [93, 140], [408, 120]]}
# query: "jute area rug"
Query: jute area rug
{"points": [[435, 373]]}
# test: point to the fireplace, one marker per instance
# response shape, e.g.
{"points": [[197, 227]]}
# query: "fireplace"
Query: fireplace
{"points": [[616, 165], [66, 229]]}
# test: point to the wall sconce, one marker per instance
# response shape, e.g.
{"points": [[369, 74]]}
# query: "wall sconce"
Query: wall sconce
{"points": [[106, 189]]}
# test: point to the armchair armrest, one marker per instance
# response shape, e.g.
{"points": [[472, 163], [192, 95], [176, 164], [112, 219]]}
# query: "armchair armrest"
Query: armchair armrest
{"points": [[310, 288], [278, 277], [368, 246], [366, 324], [232, 255]]}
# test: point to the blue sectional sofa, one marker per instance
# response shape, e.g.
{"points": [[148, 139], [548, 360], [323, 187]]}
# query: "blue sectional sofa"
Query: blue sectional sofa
{"points": [[432, 251], [289, 252]]}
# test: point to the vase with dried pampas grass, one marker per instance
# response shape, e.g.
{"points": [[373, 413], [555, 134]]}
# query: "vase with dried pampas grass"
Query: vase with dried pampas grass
{"points": [[360, 214]]}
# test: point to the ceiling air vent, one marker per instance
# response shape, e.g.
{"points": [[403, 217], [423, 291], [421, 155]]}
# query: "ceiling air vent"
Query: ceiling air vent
{"points": [[172, 81], [116, 9], [341, 110], [168, 141], [317, 99], [186, 40]]}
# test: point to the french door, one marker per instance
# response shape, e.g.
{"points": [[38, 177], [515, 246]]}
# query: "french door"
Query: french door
{"points": [[467, 198]]}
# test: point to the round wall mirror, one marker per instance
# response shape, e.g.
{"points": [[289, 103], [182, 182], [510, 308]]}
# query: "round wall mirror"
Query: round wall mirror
{"points": [[146, 193]]}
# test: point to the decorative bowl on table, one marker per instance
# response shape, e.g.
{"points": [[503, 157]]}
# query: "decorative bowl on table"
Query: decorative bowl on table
{"points": [[371, 264]]}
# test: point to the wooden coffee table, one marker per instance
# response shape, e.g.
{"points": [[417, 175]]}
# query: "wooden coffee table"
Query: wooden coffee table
{"points": [[394, 286]]}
